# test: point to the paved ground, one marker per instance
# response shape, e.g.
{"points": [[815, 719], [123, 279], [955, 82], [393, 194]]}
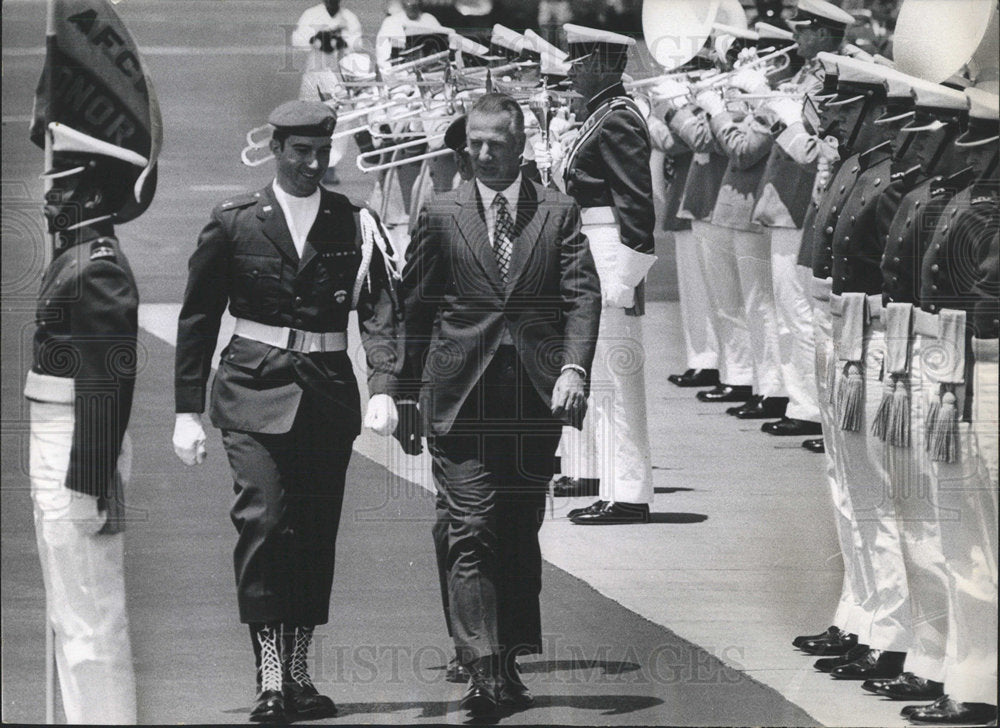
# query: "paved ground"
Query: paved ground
{"points": [[685, 621]]}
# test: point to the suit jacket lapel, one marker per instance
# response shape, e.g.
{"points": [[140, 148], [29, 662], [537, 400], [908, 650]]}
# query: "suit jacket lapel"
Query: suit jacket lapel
{"points": [[274, 226], [527, 229], [472, 226]]}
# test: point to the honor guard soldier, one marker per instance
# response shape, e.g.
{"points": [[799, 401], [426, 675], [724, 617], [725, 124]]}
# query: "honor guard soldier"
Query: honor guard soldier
{"points": [[290, 261], [607, 173], [849, 120], [957, 317], [79, 390]]}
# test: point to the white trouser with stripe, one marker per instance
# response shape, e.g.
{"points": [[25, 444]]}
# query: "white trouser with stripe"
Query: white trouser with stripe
{"points": [[84, 577], [753, 262], [701, 344]]}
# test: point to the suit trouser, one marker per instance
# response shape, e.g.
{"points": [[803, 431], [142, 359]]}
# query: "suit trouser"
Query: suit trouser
{"points": [[790, 288], [701, 344], [753, 262], [865, 477], [720, 272], [439, 532], [967, 495], [289, 489], [492, 469], [851, 615], [83, 571]]}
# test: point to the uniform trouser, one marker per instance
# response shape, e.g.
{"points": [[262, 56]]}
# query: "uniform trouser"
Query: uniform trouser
{"points": [[753, 263], [491, 469], [851, 614], [83, 571], [967, 496], [701, 344], [790, 288], [289, 489], [866, 480], [720, 272]]}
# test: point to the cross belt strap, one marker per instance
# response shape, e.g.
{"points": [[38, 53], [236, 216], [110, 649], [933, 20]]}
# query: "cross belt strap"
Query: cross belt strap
{"points": [[283, 337]]}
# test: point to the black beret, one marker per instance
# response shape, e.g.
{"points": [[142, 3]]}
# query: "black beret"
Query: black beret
{"points": [[304, 118], [454, 135]]}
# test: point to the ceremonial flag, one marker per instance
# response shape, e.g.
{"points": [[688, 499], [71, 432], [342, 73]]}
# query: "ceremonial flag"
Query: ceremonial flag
{"points": [[94, 83]]}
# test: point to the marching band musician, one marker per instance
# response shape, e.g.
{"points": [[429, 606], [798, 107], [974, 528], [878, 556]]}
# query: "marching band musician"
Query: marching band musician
{"points": [[958, 320], [392, 30], [607, 173], [290, 261]]}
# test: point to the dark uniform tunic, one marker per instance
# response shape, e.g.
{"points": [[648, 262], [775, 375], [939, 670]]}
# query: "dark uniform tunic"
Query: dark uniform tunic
{"points": [[87, 322], [288, 418]]}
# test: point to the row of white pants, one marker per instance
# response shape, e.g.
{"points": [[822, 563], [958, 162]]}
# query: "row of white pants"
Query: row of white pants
{"points": [[919, 538], [745, 310]]}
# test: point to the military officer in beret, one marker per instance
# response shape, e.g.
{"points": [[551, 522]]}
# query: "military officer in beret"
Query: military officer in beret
{"points": [[607, 173], [956, 330], [291, 261], [79, 390]]}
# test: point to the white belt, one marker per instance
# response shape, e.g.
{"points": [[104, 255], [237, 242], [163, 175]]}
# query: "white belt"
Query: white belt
{"points": [[874, 304], [598, 216], [925, 323], [821, 288], [283, 337], [47, 388]]}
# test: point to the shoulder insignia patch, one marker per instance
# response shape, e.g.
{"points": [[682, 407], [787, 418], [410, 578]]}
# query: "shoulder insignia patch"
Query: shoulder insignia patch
{"points": [[241, 201], [102, 248]]}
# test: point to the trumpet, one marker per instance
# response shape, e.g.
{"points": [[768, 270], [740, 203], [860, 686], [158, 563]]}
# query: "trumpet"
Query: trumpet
{"points": [[780, 53], [362, 159]]}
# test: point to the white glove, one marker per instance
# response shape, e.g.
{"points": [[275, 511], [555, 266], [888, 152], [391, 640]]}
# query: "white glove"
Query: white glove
{"points": [[189, 438], [543, 157], [381, 416], [561, 124], [750, 81], [745, 56], [710, 101], [787, 110]]}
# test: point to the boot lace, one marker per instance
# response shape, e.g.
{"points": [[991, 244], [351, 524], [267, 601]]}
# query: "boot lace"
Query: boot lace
{"points": [[270, 660], [298, 667]]}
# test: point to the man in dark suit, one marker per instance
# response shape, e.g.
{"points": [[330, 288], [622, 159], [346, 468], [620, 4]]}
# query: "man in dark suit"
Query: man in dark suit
{"points": [[502, 307], [290, 261]]}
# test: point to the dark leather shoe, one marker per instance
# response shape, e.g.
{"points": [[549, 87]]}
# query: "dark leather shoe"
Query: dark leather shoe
{"points": [[765, 408], [908, 686], [817, 445], [832, 643], [873, 665], [513, 693], [269, 707], [789, 426], [567, 487], [695, 378], [832, 630], [751, 403], [826, 664], [909, 710], [725, 393], [615, 514], [951, 712], [304, 702], [480, 698], [876, 686], [595, 507], [456, 672]]}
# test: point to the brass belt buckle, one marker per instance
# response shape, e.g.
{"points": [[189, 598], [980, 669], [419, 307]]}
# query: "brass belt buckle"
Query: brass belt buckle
{"points": [[293, 336]]}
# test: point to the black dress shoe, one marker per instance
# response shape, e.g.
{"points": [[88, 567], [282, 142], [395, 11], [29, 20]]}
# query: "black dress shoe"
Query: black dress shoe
{"points": [[766, 407], [909, 710], [789, 426], [480, 698], [751, 403], [456, 672], [832, 643], [615, 514], [908, 686], [826, 664], [725, 393], [876, 686], [951, 712], [513, 693], [817, 445], [303, 702], [873, 665], [269, 707], [695, 378], [595, 507], [832, 630], [567, 487]]}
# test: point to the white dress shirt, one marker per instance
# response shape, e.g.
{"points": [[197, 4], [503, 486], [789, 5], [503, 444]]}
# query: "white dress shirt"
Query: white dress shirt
{"points": [[300, 214], [488, 195]]}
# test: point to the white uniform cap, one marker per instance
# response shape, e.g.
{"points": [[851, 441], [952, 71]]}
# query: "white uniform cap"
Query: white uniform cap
{"points": [[983, 105], [720, 29], [984, 119], [504, 37], [580, 34], [852, 71], [536, 43], [553, 65], [935, 97], [810, 10], [768, 31], [458, 42], [68, 139]]}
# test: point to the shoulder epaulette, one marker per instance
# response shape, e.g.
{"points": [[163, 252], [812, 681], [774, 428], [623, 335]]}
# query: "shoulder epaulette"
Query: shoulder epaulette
{"points": [[103, 249], [240, 201]]}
